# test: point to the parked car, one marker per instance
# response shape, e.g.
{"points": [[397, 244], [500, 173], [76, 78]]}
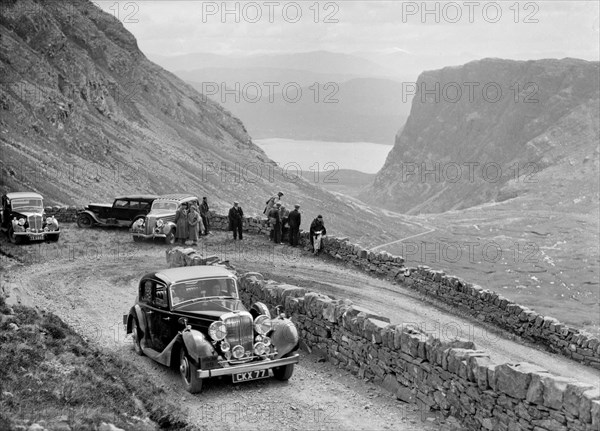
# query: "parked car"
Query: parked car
{"points": [[124, 211], [192, 318], [23, 218], [160, 221]]}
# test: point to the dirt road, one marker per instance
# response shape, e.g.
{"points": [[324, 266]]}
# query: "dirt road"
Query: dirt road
{"points": [[90, 284], [89, 279]]}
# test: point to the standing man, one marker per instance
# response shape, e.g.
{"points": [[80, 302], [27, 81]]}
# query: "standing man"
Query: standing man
{"points": [[275, 222], [204, 214], [317, 231], [181, 232], [294, 220], [235, 220], [283, 216], [271, 203]]}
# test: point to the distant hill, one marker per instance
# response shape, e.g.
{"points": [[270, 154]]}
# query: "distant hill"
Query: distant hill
{"points": [[358, 110], [535, 132]]}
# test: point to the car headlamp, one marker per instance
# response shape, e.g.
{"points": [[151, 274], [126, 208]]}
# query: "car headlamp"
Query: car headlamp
{"points": [[262, 324], [266, 341], [238, 351], [225, 346], [260, 349], [160, 223], [21, 221], [217, 330]]}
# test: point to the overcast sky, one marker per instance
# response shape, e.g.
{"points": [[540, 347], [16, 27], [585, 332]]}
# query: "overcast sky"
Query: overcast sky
{"points": [[464, 30]]}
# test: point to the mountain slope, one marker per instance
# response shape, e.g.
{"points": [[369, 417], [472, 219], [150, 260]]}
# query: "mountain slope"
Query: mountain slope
{"points": [[85, 116], [513, 127]]}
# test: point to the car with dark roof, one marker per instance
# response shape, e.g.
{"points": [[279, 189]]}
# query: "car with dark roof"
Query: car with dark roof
{"points": [[123, 212], [192, 318], [22, 218], [160, 221]]}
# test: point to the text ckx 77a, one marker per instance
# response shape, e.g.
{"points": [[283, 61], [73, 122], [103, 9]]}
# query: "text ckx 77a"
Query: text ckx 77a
{"points": [[192, 318], [22, 218]]}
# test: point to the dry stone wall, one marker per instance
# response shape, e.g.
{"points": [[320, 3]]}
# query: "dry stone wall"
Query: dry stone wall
{"points": [[469, 298], [446, 377]]}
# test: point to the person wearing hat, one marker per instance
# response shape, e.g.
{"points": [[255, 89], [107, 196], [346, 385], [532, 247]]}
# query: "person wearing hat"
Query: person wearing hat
{"points": [[271, 203], [195, 226], [181, 223], [275, 222], [204, 214], [285, 227], [317, 231], [235, 220], [294, 220]]}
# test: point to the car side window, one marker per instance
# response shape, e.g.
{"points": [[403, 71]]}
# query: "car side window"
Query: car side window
{"points": [[144, 205], [134, 204], [160, 295], [121, 203], [146, 291]]}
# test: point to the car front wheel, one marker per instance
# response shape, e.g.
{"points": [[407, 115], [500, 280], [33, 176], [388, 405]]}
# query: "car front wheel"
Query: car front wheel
{"points": [[15, 239], [135, 335], [170, 238], [283, 373], [84, 221], [189, 373]]}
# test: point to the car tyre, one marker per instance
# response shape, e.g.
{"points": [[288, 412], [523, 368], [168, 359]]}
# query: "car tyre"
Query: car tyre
{"points": [[15, 239], [170, 238], [137, 238], [283, 373], [84, 221], [188, 372], [135, 221], [135, 335]]}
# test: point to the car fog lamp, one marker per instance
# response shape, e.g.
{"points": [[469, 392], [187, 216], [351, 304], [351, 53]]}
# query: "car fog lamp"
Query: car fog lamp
{"points": [[217, 330], [262, 324], [160, 223], [260, 349], [238, 351], [266, 341], [21, 222], [46, 229], [225, 346]]}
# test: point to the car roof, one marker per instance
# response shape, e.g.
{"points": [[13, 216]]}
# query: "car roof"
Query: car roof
{"points": [[177, 197], [139, 197], [16, 195], [174, 275]]}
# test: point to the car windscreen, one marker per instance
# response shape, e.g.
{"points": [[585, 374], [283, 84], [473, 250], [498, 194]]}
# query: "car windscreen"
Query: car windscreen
{"points": [[26, 204], [164, 205], [204, 288]]}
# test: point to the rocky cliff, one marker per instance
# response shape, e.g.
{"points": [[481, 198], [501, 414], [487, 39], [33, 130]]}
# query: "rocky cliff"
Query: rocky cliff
{"points": [[86, 116], [493, 130]]}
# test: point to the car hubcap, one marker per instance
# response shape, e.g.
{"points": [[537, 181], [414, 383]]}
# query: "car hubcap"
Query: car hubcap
{"points": [[184, 368]]}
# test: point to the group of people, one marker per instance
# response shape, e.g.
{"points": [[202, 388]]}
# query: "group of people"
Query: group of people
{"points": [[192, 221], [284, 224]]}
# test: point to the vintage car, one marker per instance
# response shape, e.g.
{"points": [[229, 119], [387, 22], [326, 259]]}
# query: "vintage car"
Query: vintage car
{"points": [[160, 221], [124, 211], [22, 218], [192, 318]]}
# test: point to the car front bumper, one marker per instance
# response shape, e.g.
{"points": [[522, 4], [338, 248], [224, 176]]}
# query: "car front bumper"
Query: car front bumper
{"points": [[34, 236], [253, 366]]}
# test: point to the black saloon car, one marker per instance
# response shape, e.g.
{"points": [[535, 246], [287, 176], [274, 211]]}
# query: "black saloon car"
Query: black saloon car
{"points": [[192, 318], [124, 211]]}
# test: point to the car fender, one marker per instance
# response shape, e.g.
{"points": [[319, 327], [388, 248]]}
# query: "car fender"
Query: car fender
{"points": [[92, 215], [196, 345], [169, 227], [259, 308], [284, 336]]}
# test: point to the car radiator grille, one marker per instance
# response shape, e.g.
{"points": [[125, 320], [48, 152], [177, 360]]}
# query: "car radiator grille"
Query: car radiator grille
{"points": [[240, 330], [150, 224], [35, 222]]}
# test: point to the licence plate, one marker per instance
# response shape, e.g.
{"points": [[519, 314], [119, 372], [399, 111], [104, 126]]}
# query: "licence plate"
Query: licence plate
{"points": [[250, 375], [36, 237]]}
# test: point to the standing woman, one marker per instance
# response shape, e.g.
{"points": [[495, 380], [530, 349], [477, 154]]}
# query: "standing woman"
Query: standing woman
{"points": [[181, 234], [195, 225]]}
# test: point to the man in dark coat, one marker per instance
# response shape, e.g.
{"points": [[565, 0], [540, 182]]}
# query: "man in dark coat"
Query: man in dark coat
{"points": [[275, 222], [285, 227], [181, 232], [317, 228], [204, 214], [294, 220], [235, 220]]}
